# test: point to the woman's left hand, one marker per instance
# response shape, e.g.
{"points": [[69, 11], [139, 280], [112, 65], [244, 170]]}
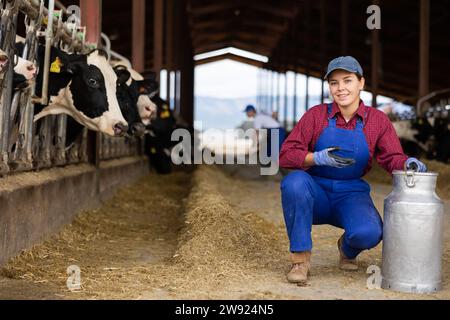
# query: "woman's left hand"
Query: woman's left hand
{"points": [[416, 165]]}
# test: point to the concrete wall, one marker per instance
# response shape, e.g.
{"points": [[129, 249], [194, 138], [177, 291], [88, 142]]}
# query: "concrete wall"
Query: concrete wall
{"points": [[35, 205]]}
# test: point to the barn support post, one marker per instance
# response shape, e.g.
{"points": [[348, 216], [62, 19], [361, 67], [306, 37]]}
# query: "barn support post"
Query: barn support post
{"points": [[187, 73], [177, 54], [306, 25], [344, 27], [278, 92], [168, 88], [307, 91], [323, 32], [138, 35], [158, 35], [375, 62], [258, 89], [268, 89], [285, 113], [424, 58], [261, 88], [169, 46], [272, 93], [91, 17], [267, 93], [294, 116]]}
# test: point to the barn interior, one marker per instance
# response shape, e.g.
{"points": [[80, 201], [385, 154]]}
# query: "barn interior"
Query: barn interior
{"points": [[130, 229]]}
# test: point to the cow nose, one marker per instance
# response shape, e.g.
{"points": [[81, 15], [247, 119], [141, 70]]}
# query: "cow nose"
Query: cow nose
{"points": [[3, 61], [120, 129], [3, 58], [138, 129]]}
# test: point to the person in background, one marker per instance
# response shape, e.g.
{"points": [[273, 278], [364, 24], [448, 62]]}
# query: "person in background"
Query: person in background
{"points": [[331, 148], [264, 121]]}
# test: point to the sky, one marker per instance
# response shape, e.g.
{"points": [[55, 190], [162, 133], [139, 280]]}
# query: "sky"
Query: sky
{"points": [[225, 79]]}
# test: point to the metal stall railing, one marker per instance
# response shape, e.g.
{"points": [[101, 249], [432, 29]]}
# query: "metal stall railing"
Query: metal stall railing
{"points": [[25, 145]]}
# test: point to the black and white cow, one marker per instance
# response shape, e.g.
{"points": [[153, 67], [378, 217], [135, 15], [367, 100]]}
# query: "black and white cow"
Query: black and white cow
{"points": [[136, 106], [158, 143], [83, 87], [24, 71], [146, 107]]}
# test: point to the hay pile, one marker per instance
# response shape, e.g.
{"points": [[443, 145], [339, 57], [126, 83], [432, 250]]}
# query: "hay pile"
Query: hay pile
{"points": [[217, 243], [150, 237], [115, 246], [379, 175]]}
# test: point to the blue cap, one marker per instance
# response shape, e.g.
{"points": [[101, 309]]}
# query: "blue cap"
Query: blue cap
{"points": [[347, 63], [250, 108]]}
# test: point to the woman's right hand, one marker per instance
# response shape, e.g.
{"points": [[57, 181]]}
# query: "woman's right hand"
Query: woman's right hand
{"points": [[326, 158]]}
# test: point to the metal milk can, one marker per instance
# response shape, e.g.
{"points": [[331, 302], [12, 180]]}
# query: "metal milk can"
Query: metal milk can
{"points": [[412, 234]]}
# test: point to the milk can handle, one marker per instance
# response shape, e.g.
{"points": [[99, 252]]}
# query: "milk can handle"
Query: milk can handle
{"points": [[410, 182]]}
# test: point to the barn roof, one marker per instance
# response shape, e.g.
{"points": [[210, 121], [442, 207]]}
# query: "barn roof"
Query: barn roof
{"points": [[303, 35]]}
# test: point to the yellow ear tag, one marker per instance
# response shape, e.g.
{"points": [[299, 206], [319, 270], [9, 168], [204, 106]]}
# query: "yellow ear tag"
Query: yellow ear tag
{"points": [[153, 150], [56, 66], [165, 114]]}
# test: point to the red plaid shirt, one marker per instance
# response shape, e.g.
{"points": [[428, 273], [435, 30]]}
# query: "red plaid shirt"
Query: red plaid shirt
{"points": [[381, 137]]}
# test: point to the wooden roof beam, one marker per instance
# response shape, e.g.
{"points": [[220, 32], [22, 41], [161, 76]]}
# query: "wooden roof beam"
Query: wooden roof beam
{"points": [[212, 8], [251, 47], [269, 39], [231, 57], [274, 10]]}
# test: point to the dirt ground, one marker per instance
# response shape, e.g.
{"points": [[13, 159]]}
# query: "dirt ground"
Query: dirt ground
{"points": [[215, 234]]}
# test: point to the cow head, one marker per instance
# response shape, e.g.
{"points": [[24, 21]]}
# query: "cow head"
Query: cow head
{"points": [[127, 95], [84, 87], [147, 109], [144, 108], [24, 74]]}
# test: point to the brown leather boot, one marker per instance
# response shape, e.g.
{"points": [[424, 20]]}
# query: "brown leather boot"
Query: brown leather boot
{"points": [[344, 262], [300, 267]]}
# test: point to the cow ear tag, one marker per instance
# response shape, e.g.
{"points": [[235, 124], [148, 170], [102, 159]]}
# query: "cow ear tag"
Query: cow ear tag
{"points": [[56, 65], [165, 114]]}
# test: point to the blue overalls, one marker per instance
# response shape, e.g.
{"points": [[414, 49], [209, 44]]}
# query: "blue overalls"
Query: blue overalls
{"points": [[336, 196]]}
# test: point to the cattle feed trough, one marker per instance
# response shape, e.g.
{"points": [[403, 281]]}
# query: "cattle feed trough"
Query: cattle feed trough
{"points": [[25, 144]]}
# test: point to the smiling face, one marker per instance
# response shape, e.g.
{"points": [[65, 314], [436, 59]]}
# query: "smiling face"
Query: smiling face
{"points": [[345, 87]]}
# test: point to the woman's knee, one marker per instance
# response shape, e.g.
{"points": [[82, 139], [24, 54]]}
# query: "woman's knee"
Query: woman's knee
{"points": [[296, 181], [365, 237]]}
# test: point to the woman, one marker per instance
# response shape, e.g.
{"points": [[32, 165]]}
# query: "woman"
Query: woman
{"points": [[332, 147]]}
